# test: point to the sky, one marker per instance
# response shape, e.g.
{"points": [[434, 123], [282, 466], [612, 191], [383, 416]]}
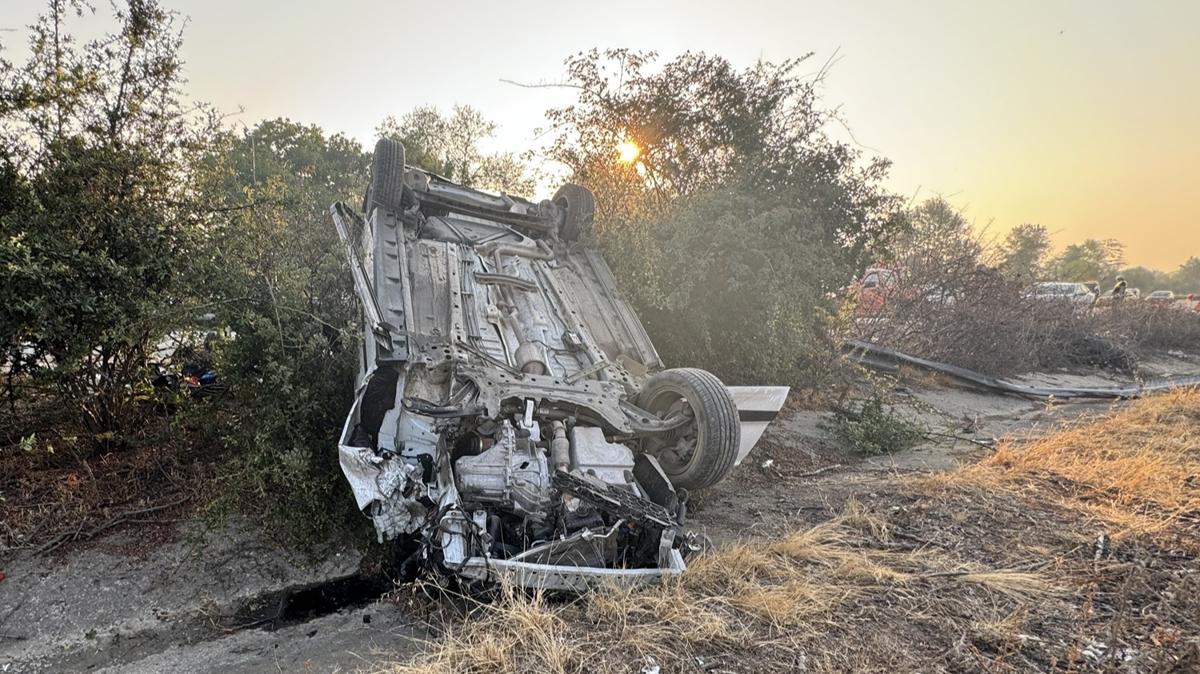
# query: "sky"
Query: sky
{"points": [[1081, 116]]}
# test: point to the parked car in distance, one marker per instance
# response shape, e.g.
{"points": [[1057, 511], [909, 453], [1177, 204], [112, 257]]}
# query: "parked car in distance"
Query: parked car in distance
{"points": [[1161, 297], [1062, 291], [878, 285]]}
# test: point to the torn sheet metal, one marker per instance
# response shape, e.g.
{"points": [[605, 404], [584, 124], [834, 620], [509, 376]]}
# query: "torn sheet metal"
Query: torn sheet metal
{"points": [[386, 489], [757, 407]]}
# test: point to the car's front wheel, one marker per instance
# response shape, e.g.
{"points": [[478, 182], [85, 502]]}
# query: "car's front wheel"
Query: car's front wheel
{"points": [[701, 452], [578, 208], [387, 177]]}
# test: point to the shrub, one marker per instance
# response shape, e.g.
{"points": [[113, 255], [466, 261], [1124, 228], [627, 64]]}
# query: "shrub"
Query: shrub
{"points": [[993, 327], [99, 213], [280, 286], [951, 304], [734, 280], [874, 429]]}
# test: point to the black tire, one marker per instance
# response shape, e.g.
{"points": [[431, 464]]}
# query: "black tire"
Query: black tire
{"points": [[578, 207], [387, 176], [713, 436]]}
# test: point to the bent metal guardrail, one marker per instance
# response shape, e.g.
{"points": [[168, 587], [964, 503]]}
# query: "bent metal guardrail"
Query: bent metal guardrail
{"points": [[880, 357]]}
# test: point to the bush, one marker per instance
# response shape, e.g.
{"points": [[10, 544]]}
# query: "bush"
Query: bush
{"points": [[280, 286], [1148, 327], [734, 280], [874, 430], [99, 213], [991, 326]]}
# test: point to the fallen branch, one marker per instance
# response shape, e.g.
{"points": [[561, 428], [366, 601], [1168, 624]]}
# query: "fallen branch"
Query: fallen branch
{"points": [[819, 471], [986, 444], [119, 519]]}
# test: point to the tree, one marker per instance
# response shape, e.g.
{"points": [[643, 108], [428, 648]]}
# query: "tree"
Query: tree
{"points": [[450, 146], [100, 205], [1186, 279], [1145, 279], [738, 214], [279, 283], [1092, 260], [1023, 252], [937, 237], [699, 123]]}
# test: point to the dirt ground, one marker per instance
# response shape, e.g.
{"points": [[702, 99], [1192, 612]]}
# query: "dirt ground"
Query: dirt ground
{"points": [[232, 601]]}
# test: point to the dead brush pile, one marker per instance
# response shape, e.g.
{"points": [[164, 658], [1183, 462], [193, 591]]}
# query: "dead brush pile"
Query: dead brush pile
{"points": [[983, 322], [973, 317], [769, 604], [1144, 326], [1138, 469]]}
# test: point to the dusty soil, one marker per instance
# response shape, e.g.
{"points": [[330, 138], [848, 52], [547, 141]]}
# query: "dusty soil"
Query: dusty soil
{"points": [[228, 600], [231, 600]]}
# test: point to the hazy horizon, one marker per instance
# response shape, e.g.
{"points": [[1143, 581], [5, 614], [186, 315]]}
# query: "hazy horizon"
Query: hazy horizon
{"points": [[1080, 116]]}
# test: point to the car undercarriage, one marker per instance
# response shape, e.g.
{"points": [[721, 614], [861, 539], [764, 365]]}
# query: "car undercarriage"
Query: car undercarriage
{"points": [[513, 421]]}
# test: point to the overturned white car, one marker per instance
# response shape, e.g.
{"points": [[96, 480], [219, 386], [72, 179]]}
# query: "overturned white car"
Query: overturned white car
{"points": [[513, 420]]}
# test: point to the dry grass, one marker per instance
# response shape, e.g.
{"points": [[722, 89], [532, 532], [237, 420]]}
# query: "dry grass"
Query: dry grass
{"points": [[1016, 584], [765, 599], [1137, 469]]}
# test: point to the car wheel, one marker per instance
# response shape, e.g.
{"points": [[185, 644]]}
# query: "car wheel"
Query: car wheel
{"points": [[387, 176], [700, 453], [578, 207]]}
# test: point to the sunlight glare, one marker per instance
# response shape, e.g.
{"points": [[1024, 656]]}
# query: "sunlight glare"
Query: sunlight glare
{"points": [[628, 151]]}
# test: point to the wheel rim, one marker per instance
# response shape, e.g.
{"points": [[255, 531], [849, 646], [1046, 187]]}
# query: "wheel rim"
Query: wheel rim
{"points": [[674, 449]]}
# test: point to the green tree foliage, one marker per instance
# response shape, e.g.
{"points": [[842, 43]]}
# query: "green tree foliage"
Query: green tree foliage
{"points": [[449, 145], [278, 282], [125, 213], [1092, 260], [1145, 279], [739, 214], [937, 237], [1186, 279], [99, 205], [735, 283], [1023, 252]]}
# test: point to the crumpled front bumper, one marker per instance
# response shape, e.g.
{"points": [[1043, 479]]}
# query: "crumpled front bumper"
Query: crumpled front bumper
{"points": [[569, 578], [539, 576]]}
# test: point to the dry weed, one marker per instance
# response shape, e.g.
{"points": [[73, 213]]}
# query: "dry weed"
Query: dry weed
{"points": [[1016, 584], [758, 596], [514, 633], [1137, 469]]}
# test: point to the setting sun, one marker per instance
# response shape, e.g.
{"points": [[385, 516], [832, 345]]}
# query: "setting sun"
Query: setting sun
{"points": [[628, 151]]}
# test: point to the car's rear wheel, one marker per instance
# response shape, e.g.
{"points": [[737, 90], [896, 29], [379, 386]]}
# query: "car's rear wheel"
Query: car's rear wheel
{"points": [[387, 176], [700, 453], [578, 207]]}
